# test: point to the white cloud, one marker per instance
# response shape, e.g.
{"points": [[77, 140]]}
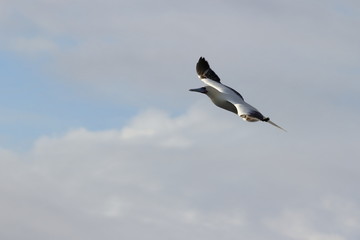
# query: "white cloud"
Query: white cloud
{"points": [[297, 224], [346, 212], [115, 207], [127, 183], [151, 127]]}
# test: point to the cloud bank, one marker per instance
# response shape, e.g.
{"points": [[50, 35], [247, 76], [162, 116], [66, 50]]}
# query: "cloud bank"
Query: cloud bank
{"points": [[158, 177]]}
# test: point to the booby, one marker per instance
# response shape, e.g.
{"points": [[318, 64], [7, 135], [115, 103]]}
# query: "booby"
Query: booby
{"points": [[225, 97]]}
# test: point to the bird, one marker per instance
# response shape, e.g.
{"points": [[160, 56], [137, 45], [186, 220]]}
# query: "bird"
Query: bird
{"points": [[226, 97]]}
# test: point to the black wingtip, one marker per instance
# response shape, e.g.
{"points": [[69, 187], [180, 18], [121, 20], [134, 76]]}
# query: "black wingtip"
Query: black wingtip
{"points": [[204, 71], [201, 66], [202, 59]]}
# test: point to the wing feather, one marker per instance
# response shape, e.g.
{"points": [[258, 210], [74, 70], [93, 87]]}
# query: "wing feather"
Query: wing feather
{"points": [[204, 71], [209, 77]]}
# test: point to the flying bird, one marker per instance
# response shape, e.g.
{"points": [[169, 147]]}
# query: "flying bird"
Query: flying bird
{"points": [[225, 97]]}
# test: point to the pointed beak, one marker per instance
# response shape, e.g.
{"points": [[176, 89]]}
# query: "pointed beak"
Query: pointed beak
{"points": [[200, 90]]}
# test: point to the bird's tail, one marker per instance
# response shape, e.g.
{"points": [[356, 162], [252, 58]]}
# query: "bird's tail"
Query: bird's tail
{"points": [[272, 123]]}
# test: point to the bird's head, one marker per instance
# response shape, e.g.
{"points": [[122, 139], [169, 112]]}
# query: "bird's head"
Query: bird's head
{"points": [[200, 90]]}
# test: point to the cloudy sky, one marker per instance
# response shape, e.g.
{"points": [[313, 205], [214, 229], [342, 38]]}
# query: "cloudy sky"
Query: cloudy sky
{"points": [[101, 139]]}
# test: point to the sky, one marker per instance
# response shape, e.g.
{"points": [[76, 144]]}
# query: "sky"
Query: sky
{"points": [[101, 139]]}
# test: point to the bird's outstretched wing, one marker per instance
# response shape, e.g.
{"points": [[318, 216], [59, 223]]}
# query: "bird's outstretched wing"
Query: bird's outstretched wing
{"points": [[209, 77], [204, 71]]}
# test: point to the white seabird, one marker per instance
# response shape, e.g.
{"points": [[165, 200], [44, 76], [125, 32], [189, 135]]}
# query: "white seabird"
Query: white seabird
{"points": [[225, 97]]}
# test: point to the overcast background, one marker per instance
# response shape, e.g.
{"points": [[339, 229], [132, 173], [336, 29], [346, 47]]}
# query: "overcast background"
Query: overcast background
{"points": [[101, 139]]}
